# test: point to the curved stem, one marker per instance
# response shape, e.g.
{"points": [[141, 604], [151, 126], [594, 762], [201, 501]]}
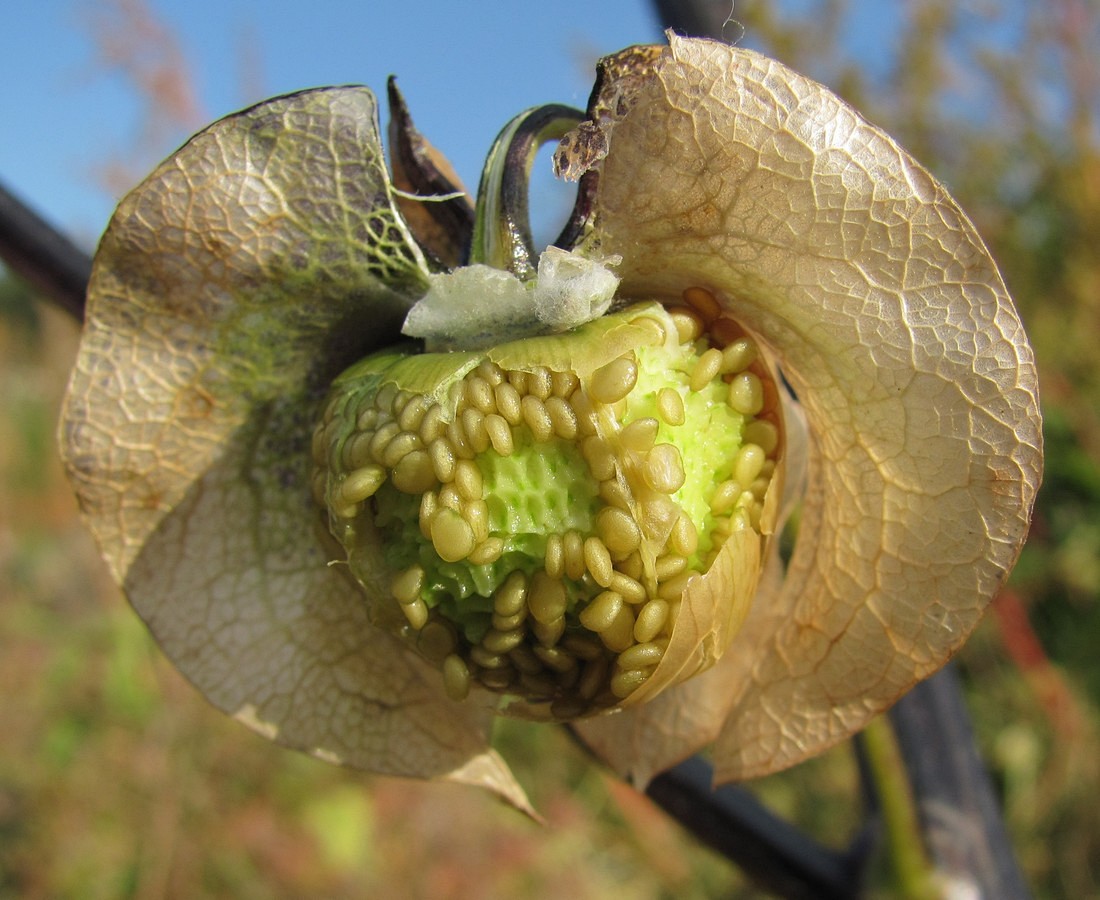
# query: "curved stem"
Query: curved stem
{"points": [[502, 225]]}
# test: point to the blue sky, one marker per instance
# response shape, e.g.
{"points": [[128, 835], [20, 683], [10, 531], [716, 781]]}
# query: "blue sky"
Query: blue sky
{"points": [[65, 116]]}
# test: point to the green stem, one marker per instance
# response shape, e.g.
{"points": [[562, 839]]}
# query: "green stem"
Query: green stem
{"points": [[911, 870], [502, 226]]}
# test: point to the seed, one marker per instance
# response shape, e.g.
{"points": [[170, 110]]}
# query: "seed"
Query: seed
{"points": [[631, 590], [381, 440], [664, 469], [473, 423], [361, 484], [583, 647], [538, 686], [670, 406], [429, 504], [674, 588], [416, 612], [555, 556], [563, 383], [760, 487], [500, 434], [443, 460], [620, 633], [511, 597], [490, 371], [703, 302], [613, 381], [399, 447], [749, 463], [412, 413], [562, 417], [602, 611], [688, 324], [738, 356], [539, 382], [452, 536], [476, 512], [518, 380], [600, 459], [468, 479], [631, 566], [383, 400], [509, 623], [684, 538], [614, 493], [524, 660], [586, 415], [488, 551], [546, 598], [501, 641], [670, 565], [658, 515], [640, 435], [460, 443], [414, 473], [555, 658], [407, 585], [593, 677], [625, 683], [573, 549], [725, 497], [432, 425], [746, 394], [318, 483], [496, 679], [508, 403], [456, 677], [450, 498], [549, 633], [356, 450], [724, 331], [537, 418], [436, 640], [764, 434], [651, 619], [706, 369], [619, 532], [479, 393], [641, 655], [486, 658], [598, 561]]}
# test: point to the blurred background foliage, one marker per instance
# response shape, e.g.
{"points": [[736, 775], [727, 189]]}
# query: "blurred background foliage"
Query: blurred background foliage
{"points": [[117, 780]]}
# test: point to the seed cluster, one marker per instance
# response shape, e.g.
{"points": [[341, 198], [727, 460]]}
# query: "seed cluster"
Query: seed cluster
{"points": [[587, 624]]}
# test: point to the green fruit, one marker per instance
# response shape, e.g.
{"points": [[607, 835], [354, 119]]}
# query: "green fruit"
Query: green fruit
{"points": [[529, 516]]}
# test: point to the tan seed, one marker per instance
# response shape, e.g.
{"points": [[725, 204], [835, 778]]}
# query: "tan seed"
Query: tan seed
{"points": [[496, 679], [738, 356], [518, 380], [399, 447], [539, 382], [674, 588], [670, 565], [586, 415], [583, 647], [443, 460], [509, 623], [549, 633], [432, 425], [746, 394], [614, 493], [356, 451], [416, 613], [651, 619], [412, 413], [452, 536], [508, 403], [593, 678], [658, 515], [486, 658], [631, 591], [563, 383], [555, 658], [383, 400], [706, 369], [500, 434], [642, 655], [620, 633], [562, 417], [599, 456], [414, 473], [450, 498], [361, 484], [490, 371], [602, 611], [631, 566], [524, 660], [664, 469], [429, 505], [537, 418], [626, 682], [749, 463], [501, 641], [407, 585], [613, 381], [476, 512], [473, 423], [688, 324], [598, 561], [619, 532], [468, 479], [546, 598], [725, 497], [511, 597], [456, 437], [554, 558], [703, 302], [573, 548], [640, 435], [381, 440], [479, 393], [456, 677], [764, 434], [670, 406], [436, 640], [488, 551]]}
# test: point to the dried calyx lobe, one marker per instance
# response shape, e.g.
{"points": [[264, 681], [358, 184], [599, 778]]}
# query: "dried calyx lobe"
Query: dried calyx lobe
{"points": [[528, 518]]}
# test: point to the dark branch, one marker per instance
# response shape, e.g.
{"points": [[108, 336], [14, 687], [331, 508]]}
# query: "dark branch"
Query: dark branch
{"points": [[42, 255]]}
